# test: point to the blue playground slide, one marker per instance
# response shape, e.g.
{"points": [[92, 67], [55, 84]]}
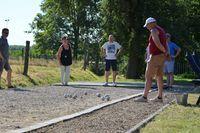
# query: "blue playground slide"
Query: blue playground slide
{"points": [[196, 58], [194, 62]]}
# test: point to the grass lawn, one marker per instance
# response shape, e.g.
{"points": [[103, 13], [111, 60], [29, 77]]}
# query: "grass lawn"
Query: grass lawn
{"points": [[45, 72], [42, 72], [177, 119]]}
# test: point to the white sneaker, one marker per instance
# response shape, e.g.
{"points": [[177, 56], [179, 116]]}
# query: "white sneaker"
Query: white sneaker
{"points": [[65, 84], [114, 84], [156, 99], [141, 99], [105, 84]]}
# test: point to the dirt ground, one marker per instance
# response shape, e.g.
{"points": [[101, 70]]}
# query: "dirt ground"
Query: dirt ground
{"points": [[23, 107], [117, 118]]}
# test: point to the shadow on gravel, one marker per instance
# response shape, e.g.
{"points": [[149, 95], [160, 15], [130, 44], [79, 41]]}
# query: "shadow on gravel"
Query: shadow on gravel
{"points": [[88, 85], [128, 86], [83, 87], [77, 86], [119, 87], [19, 89]]}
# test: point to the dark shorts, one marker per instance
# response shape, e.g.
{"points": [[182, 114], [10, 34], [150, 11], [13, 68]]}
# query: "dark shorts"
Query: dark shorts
{"points": [[111, 63], [4, 64]]}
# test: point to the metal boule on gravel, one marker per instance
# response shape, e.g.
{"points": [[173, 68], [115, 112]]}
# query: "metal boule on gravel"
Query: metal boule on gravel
{"points": [[85, 93], [98, 95], [70, 96], [65, 95], [103, 98], [75, 96], [108, 98]]}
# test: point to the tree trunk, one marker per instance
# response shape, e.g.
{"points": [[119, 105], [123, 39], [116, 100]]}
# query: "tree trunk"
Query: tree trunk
{"points": [[136, 59], [85, 61], [76, 41], [133, 61]]}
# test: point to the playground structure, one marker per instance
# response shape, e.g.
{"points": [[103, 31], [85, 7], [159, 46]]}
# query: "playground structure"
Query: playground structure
{"points": [[194, 61]]}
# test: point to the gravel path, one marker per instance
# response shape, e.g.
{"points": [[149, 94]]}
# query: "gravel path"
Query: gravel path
{"points": [[24, 107], [118, 118]]}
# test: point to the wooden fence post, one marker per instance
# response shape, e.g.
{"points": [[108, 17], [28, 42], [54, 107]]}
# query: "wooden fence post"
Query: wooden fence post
{"points": [[26, 60]]}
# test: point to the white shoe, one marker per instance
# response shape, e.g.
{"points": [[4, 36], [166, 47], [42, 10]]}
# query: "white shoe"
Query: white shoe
{"points": [[114, 84], [65, 84], [141, 99], [105, 84]]}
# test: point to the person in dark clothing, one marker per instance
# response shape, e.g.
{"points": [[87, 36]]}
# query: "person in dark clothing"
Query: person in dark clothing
{"points": [[64, 57], [4, 57]]}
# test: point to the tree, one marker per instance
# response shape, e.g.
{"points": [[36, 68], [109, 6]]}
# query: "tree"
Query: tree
{"points": [[78, 19], [88, 24], [126, 19]]}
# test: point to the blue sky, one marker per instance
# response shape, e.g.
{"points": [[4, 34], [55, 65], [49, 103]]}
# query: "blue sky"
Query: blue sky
{"points": [[20, 13]]}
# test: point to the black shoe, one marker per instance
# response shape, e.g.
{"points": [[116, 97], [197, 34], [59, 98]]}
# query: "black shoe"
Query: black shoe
{"points": [[165, 87], [11, 86]]}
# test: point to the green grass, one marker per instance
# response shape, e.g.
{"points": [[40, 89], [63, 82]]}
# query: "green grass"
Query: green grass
{"points": [[45, 72], [42, 72], [177, 119]]}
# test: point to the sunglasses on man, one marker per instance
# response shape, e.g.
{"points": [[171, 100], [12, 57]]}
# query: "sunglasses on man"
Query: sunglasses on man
{"points": [[6, 33]]}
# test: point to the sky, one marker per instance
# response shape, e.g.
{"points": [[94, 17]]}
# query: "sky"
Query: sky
{"points": [[19, 14]]}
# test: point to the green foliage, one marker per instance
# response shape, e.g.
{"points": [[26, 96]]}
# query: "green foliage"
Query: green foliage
{"points": [[16, 50], [99, 70], [126, 19], [186, 76], [88, 24], [77, 19]]}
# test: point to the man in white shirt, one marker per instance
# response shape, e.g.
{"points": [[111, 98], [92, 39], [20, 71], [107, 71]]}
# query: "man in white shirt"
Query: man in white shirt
{"points": [[111, 50]]}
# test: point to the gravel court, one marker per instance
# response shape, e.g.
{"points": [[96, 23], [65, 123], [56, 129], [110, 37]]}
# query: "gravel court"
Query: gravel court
{"points": [[23, 107], [119, 117]]}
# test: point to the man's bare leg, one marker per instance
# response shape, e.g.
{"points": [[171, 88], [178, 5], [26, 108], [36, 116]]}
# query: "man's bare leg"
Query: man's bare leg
{"points": [[9, 74], [168, 79], [160, 86], [114, 76], [107, 74], [171, 79], [148, 84]]}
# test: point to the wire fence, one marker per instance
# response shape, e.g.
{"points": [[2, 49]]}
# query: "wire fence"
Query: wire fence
{"points": [[181, 68]]}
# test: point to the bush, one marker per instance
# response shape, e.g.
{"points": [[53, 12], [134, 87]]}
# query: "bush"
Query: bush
{"points": [[97, 69], [187, 75]]}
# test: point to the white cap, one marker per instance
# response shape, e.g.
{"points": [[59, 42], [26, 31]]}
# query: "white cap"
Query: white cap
{"points": [[149, 20]]}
